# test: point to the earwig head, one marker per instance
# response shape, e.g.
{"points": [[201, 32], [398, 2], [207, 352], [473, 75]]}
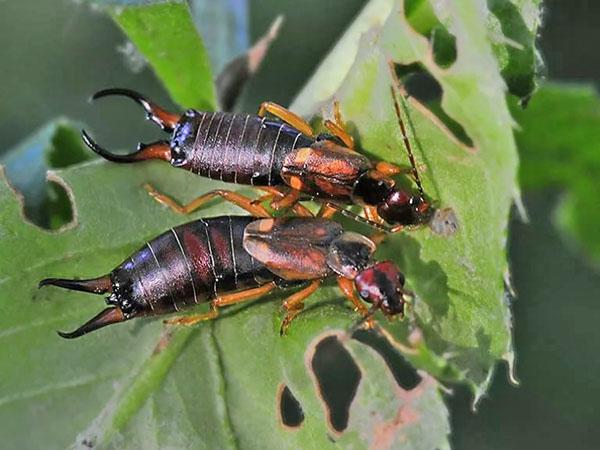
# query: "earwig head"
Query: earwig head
{"points": [[382, 284], [403, 208], [156, 150], [121, 306]]}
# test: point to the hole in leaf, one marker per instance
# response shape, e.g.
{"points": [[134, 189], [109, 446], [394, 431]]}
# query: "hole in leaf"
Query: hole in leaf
{"points": [[56, 145], [404, 373], [520, 66], [444, 47], [419, 84], [290, 410], [58, 207], [338, 377], [423, 20]]}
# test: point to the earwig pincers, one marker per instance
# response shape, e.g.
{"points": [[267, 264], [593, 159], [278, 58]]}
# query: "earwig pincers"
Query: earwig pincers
{"points": [[230, 259], [282, 156]]}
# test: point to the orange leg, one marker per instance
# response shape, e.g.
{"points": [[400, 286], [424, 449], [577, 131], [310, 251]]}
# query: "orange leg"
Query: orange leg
{"points": [[286, 201], [339, 132], [327, 211], [276, 196], [294, 304], [233, 197], [287, 116], [347, 287], [389, 169], [225, 300], [337, 126]]}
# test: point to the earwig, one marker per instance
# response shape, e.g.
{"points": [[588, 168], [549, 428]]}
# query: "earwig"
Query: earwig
{"points": [[226, 260], [283, 156]]}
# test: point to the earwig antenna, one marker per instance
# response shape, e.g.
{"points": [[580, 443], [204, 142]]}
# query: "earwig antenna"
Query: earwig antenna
{"points": [[164, 119], [155, 150], [361, 219], [404, 135]]}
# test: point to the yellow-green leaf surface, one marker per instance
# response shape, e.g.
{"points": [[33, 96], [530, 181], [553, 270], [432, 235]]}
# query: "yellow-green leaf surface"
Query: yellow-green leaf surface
{"points": [[141, 385], [462, 308], [165, 34]]}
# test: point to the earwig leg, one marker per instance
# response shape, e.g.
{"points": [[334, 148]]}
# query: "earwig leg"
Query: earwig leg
{"points": [[263, 198], [286, 201], [302, 210], [275, 195], [347, 288], [326, 211], [232, 197], [338, 128], [195, 318], [379, 236], [225, 300], [372, 214], [294, 304], [389, 169], [287, 116], [339, 132]]}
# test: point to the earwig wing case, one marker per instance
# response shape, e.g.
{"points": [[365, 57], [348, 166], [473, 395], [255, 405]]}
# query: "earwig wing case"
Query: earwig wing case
{"points": [[292, 248]]}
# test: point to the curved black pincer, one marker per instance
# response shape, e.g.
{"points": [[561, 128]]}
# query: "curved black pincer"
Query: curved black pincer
{"points": [[106, 317], [155, 150], [164, 119]]}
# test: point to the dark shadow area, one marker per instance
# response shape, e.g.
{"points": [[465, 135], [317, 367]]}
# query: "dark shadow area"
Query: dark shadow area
{"points": [[404, 373], [290, 410], [516, 72], [338, 377], [419, 84]]}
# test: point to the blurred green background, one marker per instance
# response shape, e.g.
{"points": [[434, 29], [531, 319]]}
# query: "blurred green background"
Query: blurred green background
{"points": [[55, 54]]}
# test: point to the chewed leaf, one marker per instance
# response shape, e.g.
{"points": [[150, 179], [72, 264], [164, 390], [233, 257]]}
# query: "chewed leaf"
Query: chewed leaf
{"points": [[222, 384], [460, 308], [55, 145], [221, 380]]}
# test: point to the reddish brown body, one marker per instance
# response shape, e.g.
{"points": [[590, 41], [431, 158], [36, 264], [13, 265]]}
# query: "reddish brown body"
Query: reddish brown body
{"points": [[219, 259], [254, 150]]}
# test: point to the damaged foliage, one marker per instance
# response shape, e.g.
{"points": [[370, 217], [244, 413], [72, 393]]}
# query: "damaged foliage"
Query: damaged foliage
{"points": [[122, 387]]}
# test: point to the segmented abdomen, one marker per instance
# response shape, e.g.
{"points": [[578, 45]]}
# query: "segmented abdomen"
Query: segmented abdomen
{"points": [[192, 263], [239, 148]]}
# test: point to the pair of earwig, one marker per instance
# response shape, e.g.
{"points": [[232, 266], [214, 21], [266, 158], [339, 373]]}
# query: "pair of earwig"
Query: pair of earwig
{"points": [[231, 259]]}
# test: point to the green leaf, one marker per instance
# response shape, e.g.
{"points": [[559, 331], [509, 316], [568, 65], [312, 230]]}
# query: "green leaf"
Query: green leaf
{"points": [[165, 34], [514, 28], [216, 385], [219, 379], [462, 309], [559, 140]]}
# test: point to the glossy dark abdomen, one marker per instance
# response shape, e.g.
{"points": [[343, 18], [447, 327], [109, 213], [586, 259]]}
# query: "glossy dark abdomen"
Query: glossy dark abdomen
{"points": [[239, 148], [191, 264]]}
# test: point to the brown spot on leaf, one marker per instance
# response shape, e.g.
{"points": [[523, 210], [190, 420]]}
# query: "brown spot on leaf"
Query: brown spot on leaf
{"points": [[386, 433], [163, 341]]}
